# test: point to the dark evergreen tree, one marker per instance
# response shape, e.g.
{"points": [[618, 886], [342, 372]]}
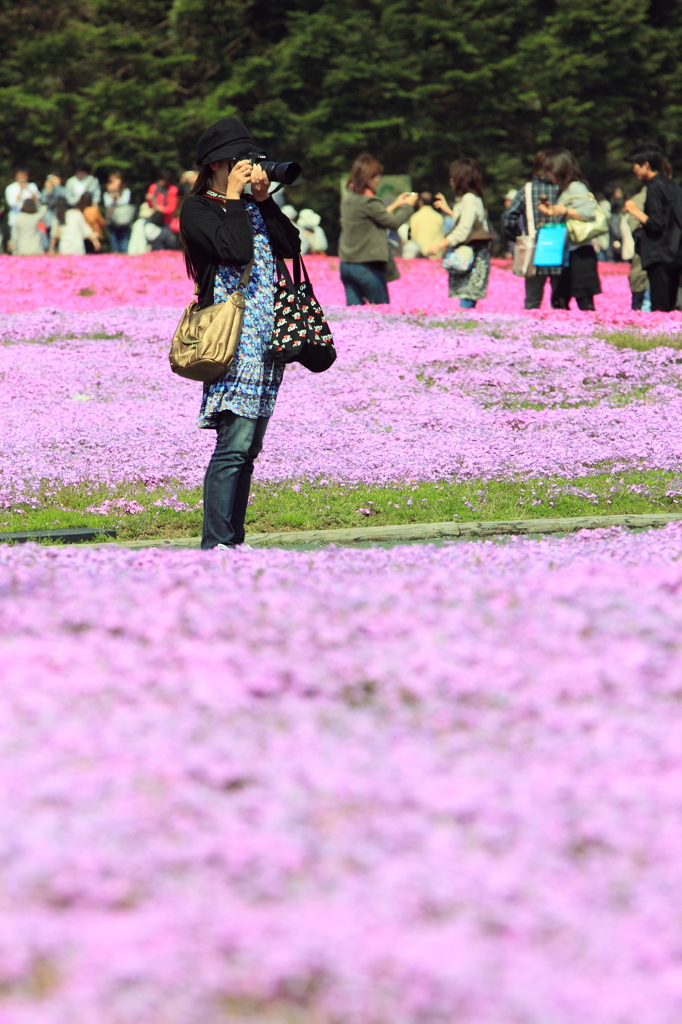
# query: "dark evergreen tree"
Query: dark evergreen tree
{"points": [[132, 85]]}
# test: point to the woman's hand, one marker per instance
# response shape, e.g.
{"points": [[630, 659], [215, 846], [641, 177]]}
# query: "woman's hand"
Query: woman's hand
{"points": [[240, 175], [440, 203], [260, 183], [404, 199], [552, 211]]}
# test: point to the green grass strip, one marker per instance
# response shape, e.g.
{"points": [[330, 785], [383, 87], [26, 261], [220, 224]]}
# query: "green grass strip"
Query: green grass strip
{"points": [[303, 506], [641, 342]]}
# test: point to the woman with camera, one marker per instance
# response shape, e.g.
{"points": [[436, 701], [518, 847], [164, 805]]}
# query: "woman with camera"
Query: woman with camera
{"points": [[227, 222], [470, 229], [363, 247]]}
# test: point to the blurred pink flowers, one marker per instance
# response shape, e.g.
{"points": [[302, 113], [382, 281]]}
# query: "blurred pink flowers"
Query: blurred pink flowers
{"points": [[400, 785]]}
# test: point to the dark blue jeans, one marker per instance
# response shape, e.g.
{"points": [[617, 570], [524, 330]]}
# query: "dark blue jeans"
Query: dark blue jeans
{"points": [[228, 478], [119, 238], [363, 281]]}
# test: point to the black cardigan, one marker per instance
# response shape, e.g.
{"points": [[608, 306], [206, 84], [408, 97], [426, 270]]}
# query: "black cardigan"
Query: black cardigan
{"points": [[656, 237], [217, 234]]}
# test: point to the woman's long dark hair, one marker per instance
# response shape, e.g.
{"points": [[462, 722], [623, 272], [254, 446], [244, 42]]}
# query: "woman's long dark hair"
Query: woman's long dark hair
{"points": [[563, 166], [539, 164], [203, 182], [466, 175], [199, 188]]}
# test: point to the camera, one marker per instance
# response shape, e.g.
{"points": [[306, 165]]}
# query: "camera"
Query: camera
{"points": [[284, 173]]}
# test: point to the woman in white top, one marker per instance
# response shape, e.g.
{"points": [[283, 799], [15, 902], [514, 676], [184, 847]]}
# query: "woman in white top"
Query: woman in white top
{"points": [[120, 212], [471, 229], [18, 192], [70, 231], [579, 278], [27, 239]]}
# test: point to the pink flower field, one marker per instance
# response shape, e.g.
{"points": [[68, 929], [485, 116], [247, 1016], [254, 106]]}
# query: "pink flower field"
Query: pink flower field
{"points": [[411, 397], [416, 785], [407, 785], [84, 283]]}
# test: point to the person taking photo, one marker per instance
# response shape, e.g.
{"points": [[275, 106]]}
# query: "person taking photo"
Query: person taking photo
{"points": [[470, 228], [223, 228], [363, 246]]}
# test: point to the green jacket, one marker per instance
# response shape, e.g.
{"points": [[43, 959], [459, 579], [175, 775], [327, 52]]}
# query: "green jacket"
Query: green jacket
{"points": [[364, 221]]}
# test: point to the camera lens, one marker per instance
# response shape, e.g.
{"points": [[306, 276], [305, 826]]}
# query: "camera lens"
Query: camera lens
{"points": [[284, 173]]}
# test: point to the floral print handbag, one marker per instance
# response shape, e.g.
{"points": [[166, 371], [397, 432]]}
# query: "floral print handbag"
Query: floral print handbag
{"points": [[301, 333]]}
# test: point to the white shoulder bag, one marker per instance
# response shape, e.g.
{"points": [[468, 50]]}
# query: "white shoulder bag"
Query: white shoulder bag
{"points": [[524, 247]]}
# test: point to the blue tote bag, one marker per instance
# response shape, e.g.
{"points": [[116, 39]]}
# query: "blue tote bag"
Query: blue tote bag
{"points": [[549, 245]]}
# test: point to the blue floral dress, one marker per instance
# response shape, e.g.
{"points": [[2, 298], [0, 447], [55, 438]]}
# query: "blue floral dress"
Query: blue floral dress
{"points": [[250, 386]]}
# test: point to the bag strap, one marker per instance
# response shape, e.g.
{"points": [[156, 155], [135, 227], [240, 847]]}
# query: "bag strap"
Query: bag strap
{"points": [[283, 270], [244, 279], [530, 212], [299, 266], [300, 273]]}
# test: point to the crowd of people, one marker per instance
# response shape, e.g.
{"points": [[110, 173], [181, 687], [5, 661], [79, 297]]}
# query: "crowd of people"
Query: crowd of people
{"points": [[645, 230], [76, 217]]}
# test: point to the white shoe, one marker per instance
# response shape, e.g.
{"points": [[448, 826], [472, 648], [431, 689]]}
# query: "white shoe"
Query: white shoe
{"points": [[224, 547]]}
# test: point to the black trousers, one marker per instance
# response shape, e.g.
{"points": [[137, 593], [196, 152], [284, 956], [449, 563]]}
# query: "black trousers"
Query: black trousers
{"points": [[579, 280], [663, 282], [584, 302], [535, 287]]}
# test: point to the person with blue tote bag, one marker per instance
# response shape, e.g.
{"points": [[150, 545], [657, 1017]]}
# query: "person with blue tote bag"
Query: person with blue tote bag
{"points": [[583, 220]]}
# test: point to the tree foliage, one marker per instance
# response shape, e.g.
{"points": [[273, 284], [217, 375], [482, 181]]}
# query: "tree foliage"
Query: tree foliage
{"points": [[132, 85]]}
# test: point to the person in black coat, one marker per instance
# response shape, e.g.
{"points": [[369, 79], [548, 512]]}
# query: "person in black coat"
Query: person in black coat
{"points": [[661, 234], [223, 227]]}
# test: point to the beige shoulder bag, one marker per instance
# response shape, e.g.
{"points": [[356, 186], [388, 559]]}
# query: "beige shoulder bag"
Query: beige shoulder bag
{"points": [[524, 247], [205, 341], [582, 231]]}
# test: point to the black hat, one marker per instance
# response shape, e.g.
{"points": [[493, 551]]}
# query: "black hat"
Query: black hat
{"points": [[226, 138]]}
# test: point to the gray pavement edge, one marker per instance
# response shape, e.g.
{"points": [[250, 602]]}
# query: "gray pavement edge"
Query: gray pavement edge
{"points": [[427, 531]]}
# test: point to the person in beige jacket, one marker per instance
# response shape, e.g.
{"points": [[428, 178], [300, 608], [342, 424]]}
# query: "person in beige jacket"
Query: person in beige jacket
{"points": [[363, 247], [426, 226]]}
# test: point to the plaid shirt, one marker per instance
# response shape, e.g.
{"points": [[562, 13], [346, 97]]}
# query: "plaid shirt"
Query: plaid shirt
{"points": [[514, 218]]}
